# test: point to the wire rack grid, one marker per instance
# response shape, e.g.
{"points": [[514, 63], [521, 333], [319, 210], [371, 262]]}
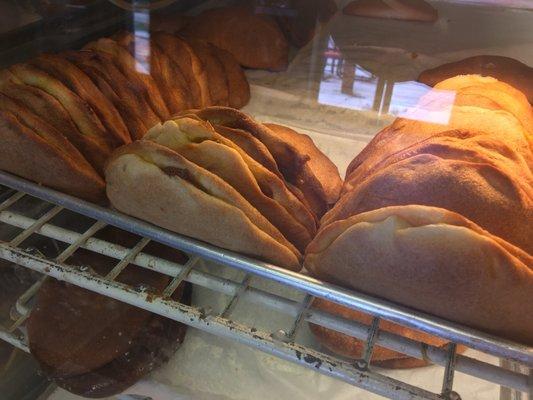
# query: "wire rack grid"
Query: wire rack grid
{"points": [[281, 343]]}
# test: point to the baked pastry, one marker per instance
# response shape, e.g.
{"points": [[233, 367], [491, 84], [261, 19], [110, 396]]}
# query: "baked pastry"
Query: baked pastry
{"points": [[292, 153], [484, 113], [505, 69], [154, 183], [49, 109], [90, 135], [238, 86], [350, 347], [251, 145], [216, 75], [129, 66], [298, 19], [39, 153], [190, 64], [409, 10], [450, 181], [74, 78], [254, 40], [503, 95], [167, 75], [127, 98], [197, 141], [154, 346], [451, 176], [322, 182], [432, 260]]}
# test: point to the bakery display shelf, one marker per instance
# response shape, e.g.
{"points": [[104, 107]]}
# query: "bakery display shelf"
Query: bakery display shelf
{"points": [[283, 344]]}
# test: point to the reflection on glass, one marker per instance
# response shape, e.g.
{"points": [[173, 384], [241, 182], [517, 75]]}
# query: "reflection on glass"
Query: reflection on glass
{"points": [[431, 105], [141, 46], [346, 84]]}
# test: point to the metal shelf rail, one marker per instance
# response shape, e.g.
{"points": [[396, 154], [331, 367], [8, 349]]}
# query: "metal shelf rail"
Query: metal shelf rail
{"points": [[279, 343]]}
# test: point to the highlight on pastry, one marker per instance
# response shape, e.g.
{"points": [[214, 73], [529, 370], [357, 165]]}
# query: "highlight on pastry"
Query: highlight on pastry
{"points": [[505, 69], [438, 216]]}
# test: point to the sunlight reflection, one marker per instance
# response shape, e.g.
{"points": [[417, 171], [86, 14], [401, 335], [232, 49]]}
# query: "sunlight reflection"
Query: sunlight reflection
{"points": [[141, 46], [346, 84]]}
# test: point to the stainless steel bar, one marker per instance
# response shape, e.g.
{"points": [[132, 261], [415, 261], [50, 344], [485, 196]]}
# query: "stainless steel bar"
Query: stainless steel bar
{"points": [[367, 380], [352, 328], [18, 323], [93, 244], [449, 371], [14, 340], [300, 317], [79, 241], [117, 269], [235, 299], [173, 285], [370, 342], [11, 200], [36, 225], [22, 301], [402, 315]]}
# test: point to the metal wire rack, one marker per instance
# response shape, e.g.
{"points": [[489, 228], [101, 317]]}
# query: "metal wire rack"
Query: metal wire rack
{"points": [[283, 344]]}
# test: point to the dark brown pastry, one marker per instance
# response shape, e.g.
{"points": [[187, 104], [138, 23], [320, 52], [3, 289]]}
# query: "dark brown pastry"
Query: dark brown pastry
{"points": [[135, 70], [76, 80], [154, 346], [298, 19], [216, 74], [320, 180], [96, 346], [44, 156], [191, 66], [167, 75], [255, 41], [238, 87], [124, 94], [90, 137]]}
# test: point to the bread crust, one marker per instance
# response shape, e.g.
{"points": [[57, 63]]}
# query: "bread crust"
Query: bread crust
{"points": [[505, 96], [128, 66], [77, 81], [206, 208], [225, 160], [90, 136], [190, 64], [254, 40], [432, 260], [238, 86], [125, 94], [216, 75], [473, 189], [321, 182], [499, 124], [167, 75], [96, 346], [289, 159], [26, 154]]}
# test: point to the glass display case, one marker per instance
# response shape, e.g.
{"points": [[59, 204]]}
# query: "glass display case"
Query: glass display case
{"points": [[266, 199]]}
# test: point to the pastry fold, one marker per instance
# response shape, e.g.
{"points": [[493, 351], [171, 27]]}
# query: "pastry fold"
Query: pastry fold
{"points": [[157, 184], [432, 260]]}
